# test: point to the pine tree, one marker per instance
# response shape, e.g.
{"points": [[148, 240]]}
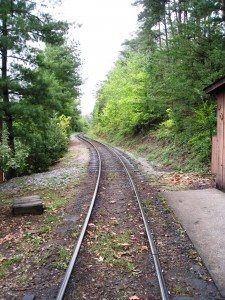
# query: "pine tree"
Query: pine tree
{"points": [[22, 29]]}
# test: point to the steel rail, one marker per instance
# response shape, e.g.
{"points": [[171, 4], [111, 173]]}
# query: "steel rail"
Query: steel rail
{"points": [[69, 270], [162, 285]]}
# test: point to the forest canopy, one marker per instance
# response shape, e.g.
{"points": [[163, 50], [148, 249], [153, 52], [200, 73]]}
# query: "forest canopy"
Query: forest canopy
{"points": [[158, 81]]}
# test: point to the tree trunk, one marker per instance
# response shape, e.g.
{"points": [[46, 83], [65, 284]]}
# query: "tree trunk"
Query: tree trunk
{"points": [[160, 39], [178, 13], [179, 17], [166, 31], [175, 9], [223, 10], [170, 20], [5, 93]]}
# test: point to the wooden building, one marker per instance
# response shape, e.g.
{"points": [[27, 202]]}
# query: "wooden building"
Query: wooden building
{"points": [[218, 142]]}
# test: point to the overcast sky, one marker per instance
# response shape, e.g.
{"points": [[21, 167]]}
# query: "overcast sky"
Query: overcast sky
{"points": [[105, 25]]}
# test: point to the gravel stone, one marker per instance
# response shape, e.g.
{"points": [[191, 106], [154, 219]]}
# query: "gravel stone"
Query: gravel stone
{"points": [[47, 179]]}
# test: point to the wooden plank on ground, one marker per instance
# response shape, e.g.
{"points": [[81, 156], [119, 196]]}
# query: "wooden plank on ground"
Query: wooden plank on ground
{"points": [[27, 205]]}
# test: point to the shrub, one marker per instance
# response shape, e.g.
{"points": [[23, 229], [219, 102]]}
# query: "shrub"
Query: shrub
{"points": [[47, 146], [10, 160]]}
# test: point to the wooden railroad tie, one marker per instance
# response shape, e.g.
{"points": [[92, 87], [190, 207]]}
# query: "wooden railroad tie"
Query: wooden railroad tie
{"points": [[27, 205]]}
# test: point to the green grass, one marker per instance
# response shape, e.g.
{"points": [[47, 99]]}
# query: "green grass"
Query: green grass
{"points": [[44, 230], [5, 265], [51, 219], [142, 148], [148, 203], [178, 290], [151, 157], [109, 247], [23, 279], [63, 259], [68, 156], [166, 210], [174, 153], [7, 201], [53, 200], [4, 195], [34, 240]]}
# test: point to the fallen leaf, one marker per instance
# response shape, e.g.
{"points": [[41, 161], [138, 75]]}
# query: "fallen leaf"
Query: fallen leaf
{"points": [[91, 225], [2, 259], [115, 241], [124, 245], [27, 225], [90, 233], [100, 259], [144, 248], [134, 298]]}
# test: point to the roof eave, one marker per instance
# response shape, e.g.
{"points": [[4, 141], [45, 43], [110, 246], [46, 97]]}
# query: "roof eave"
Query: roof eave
{"points": [[215, 87]]}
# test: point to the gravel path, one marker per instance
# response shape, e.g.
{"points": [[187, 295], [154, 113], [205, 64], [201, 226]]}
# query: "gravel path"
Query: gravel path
{"points": [[47, 179], [58, 176]]}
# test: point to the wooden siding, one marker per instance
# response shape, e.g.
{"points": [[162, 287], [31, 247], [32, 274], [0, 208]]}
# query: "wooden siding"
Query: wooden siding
{"points": [[218, 144], [220, 176], [214, 157]]}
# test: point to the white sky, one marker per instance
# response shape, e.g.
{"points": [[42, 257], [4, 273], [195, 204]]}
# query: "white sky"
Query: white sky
{"points": [[105, 26]]}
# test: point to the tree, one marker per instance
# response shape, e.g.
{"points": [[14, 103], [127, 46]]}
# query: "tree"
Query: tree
{"points": [[123, 103], [22, 27], [50, 96], [159, 81], [59, 67]]}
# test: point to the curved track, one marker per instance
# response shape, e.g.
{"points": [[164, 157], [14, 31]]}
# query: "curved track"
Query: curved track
{"points": [[81, 236], [111, 158]]}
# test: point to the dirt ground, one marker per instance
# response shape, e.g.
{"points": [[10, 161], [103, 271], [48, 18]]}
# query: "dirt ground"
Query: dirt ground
{"points": [[35, 249]]}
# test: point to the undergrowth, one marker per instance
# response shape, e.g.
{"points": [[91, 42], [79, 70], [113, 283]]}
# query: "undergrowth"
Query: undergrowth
{"points": [[174, 154]]}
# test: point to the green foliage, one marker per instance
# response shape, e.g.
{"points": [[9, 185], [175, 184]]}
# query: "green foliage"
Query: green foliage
{"points": [[35, 86], [7, 264], [143, 148], [201, 142], [158, 81], [84, 123], [63, 259], [64, 124], [46, 144], [124, 105], [16, 160]]}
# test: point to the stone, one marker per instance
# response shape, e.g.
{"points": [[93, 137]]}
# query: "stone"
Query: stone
{"points": [[29, 297]]}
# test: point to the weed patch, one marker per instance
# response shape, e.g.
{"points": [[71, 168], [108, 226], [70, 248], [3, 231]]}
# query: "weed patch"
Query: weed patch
{"points": [[113, 248], [148, 203], [52, 219], [53, 201], [142, 148], [6, 264], [63, 259]]}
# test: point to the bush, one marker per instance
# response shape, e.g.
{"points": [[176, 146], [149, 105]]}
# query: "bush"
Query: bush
{"points": [[10, 160], [47, 146]]}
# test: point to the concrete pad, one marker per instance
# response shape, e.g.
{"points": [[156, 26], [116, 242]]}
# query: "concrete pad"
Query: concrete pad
{"points": [[202, 214]]}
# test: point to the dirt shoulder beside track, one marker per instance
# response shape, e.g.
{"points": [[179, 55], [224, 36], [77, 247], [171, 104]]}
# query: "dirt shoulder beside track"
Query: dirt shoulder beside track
{"points": [[35, 249]]}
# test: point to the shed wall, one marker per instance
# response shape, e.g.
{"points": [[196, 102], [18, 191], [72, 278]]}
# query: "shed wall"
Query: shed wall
{"points": [[220, 178], [214, 157]]}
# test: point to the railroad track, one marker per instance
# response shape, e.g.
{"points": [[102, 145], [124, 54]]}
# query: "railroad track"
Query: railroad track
{"points": [[116, 243]]}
